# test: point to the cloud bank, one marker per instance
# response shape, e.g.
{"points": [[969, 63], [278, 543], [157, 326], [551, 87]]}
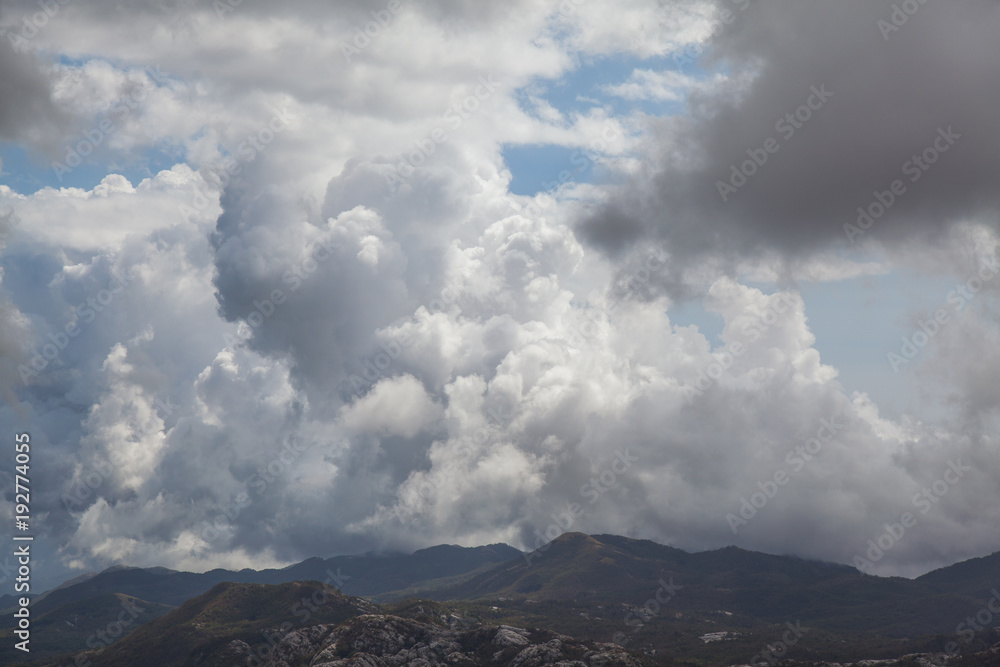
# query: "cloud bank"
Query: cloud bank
{"points": [[329, 327]]}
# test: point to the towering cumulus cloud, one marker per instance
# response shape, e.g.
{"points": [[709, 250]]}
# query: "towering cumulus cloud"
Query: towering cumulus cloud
{"points": [[281, 280]]}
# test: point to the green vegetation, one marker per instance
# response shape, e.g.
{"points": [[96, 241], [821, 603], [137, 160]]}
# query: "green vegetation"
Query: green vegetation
{"points": [[96, 621], [203, 628]]}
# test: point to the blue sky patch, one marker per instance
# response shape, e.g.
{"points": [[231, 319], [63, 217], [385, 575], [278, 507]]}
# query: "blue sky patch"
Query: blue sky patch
{"points": [[27, 173], [543, 168]]}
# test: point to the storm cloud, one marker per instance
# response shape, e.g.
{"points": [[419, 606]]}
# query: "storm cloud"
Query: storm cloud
{"points": [[831, 103], [298, 310]]}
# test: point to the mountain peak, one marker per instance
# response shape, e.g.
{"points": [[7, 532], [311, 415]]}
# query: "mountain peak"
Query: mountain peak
{"points": [[598, 578], [575, 538]]}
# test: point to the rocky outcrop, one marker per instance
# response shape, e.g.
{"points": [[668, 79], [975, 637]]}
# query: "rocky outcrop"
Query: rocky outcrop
{"points": [[989, 657], [380, 640]]}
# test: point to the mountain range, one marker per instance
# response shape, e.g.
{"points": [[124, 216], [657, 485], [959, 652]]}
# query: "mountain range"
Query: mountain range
{"points": [[630, 601]]}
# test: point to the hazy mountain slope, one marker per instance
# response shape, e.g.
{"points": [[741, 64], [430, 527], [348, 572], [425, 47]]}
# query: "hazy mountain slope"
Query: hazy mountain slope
{"points": [[611, 569], [590, 587], [201, 630], [976, 577], [372, 575], [94, 622], [356, 575], [265, 626], [236, 624]]}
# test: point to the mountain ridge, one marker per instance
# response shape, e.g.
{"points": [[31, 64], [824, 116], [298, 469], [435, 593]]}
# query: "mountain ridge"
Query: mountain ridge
{"points": [[597, 587]]}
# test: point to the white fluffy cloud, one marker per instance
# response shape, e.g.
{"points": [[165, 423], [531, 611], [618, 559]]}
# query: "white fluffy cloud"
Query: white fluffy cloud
{"points": [[373, 346], [394, 407]]}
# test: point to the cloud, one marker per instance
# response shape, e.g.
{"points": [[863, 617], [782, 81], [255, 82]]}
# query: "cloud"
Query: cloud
{"points": [[907, 109], [394, 407], [85, 220], [361, 343], [28, 112], [644, 84]]}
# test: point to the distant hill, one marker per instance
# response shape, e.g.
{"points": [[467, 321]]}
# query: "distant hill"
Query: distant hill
{"points": [[377, 575], [355, 575], [969, 577], [578, 566], [95, 621], [235, 624], [202, 630], [613, 569], [714, 608], [165, 589], [267, 626]]}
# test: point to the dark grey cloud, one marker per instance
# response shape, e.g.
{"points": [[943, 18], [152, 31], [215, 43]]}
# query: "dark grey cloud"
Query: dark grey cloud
{"points": [[28, 113], [890, 97]]}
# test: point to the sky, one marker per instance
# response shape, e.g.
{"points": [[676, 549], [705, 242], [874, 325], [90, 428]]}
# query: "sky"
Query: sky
{"points": [[283, 280]]}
